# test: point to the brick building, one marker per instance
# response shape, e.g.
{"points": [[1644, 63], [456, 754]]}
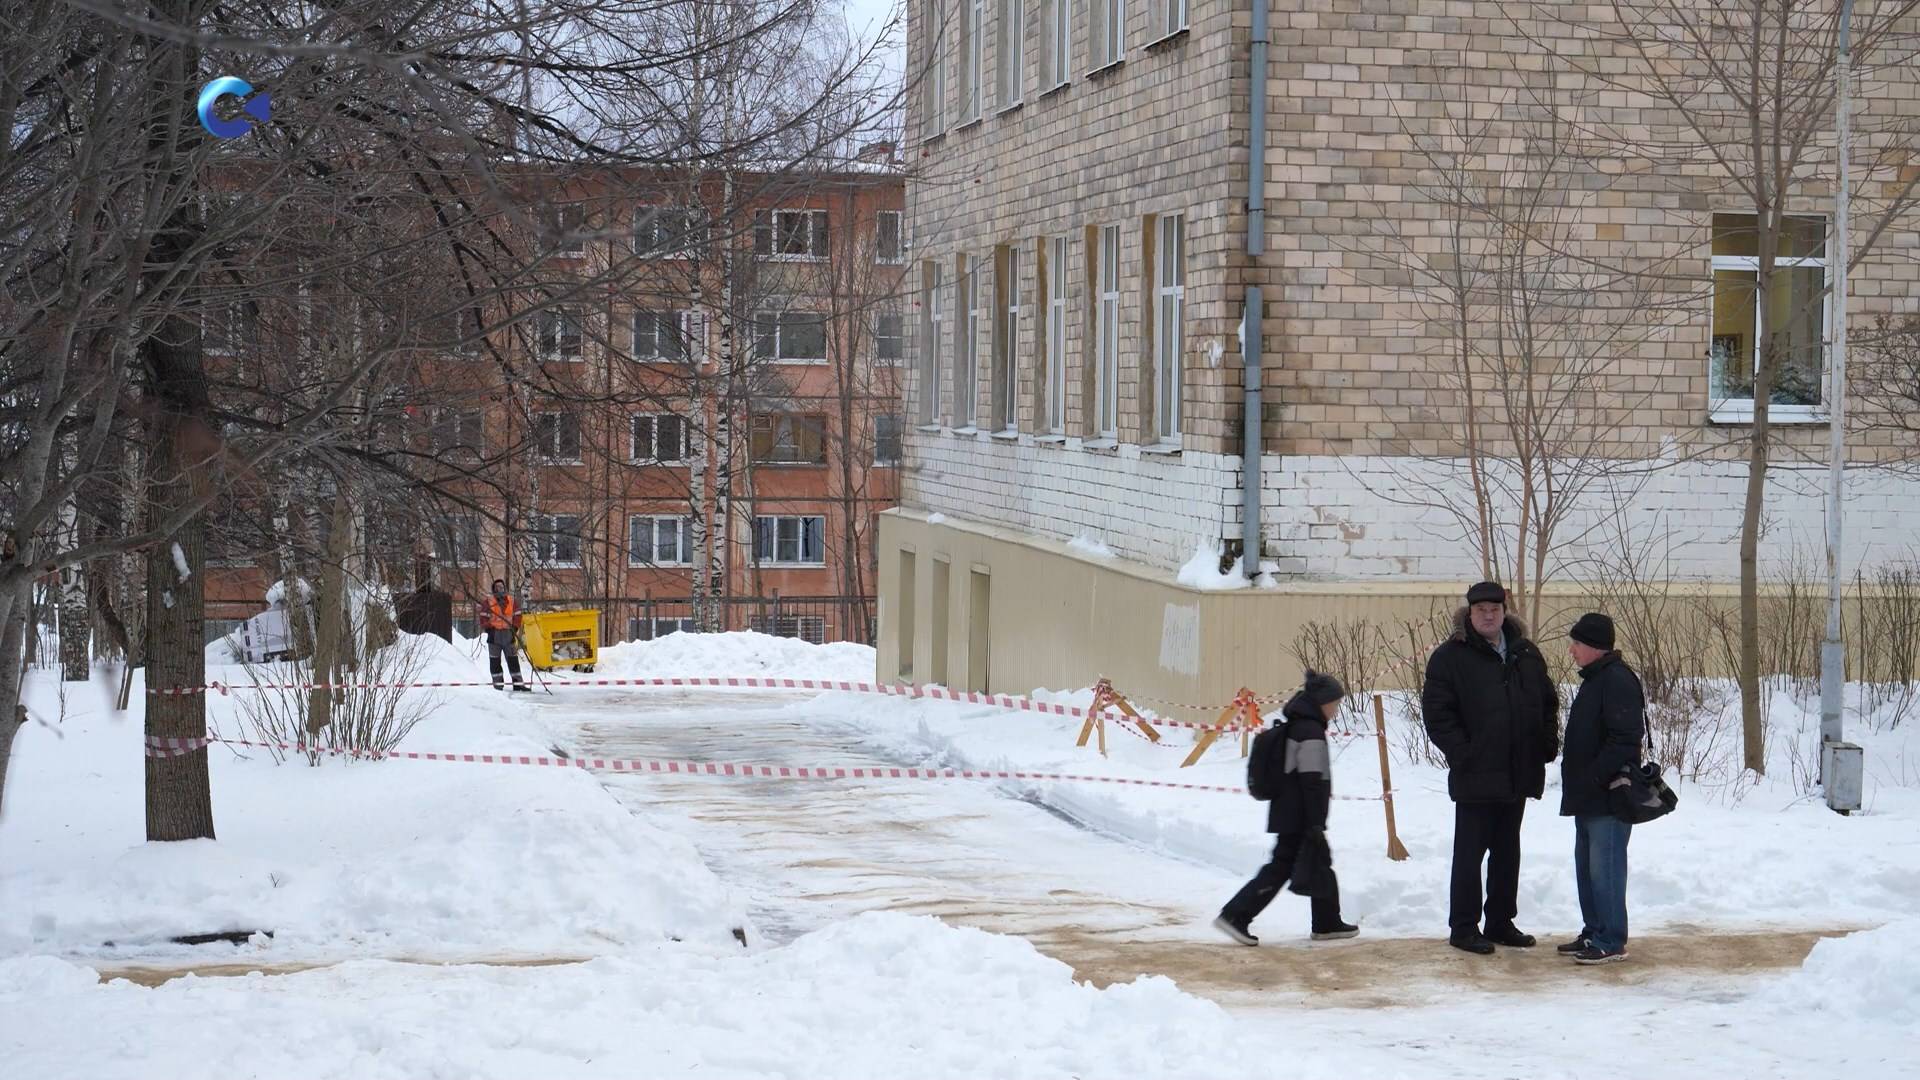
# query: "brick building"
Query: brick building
{"points": [[1082, 260], [617, 432]]}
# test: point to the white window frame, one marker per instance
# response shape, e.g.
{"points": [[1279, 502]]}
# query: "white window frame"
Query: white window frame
{"points": [[899, 255], [933, 118], [930, 375], [569, 229], [799, 540], [1010, 53], [653, 438], [790, 423], [453, 531], [779, 335], [678, 624], [1059, 41], [1173, 18], [899, 439], [680, 321], [680, 529], [1107, 371], [1057, 315], [1740, 410], [1007, 364], [767, 233], [549, 323], [547, 534], [973, 42], [1170, 292], [967, 392], [460, 420], [550, 454], [1106, 33], [650, 217], [899, 338]]}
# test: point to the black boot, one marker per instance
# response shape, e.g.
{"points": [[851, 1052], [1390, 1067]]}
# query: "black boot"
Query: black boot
{"points": [[1509, 935], [1469, 939], [1234, 929], [1337, 932]]}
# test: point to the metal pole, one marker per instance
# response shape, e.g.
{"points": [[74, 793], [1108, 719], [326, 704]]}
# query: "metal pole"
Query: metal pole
{"points": [[1250, 315], [1833, 654]]}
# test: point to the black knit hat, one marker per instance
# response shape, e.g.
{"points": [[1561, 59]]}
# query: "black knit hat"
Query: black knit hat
{"points": [[1487, 592], [1321, 689], [1593, 629]]}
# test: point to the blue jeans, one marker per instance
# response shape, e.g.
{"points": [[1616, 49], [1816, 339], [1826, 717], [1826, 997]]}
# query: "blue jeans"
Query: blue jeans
{"points": [[1600, 870]]}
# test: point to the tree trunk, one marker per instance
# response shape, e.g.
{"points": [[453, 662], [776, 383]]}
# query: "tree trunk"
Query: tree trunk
{"points": [[75, 624], [12, 641], [331, 636]]}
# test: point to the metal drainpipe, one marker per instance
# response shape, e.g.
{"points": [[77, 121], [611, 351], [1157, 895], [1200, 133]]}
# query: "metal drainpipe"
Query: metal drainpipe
{"points": [[1250, 324]]}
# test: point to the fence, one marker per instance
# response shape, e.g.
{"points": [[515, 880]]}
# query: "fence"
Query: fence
{"points": [[818, 619]]}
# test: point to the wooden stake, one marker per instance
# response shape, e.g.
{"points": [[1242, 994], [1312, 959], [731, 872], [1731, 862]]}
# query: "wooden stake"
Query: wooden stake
{"points": [[1244, 710], [1395, 849]]}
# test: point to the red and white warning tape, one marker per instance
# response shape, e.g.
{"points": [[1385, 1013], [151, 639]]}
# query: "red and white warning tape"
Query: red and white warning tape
{"points": [[161, 746]]}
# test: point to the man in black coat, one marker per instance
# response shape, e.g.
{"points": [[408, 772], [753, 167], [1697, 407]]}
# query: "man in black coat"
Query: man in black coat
{"points": [[1301, 775], [1604, 729], [1491, 708]]}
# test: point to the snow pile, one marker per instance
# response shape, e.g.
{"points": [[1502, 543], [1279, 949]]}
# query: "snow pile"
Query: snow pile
{"points": [[1091, 545], [395, 858], [1873, 975], [857, 1000], [1202, 571], [741, 653]]}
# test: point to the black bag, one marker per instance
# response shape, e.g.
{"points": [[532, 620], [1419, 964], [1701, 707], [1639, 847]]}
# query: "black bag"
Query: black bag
{"points": [[1264, 762], [1312, 868], [1640, 794]]}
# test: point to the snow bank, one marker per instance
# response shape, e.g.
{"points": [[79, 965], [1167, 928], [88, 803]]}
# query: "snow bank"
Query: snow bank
{"points": [[1873, 975], [391, 858], [1697, 866], [743, 653], [1091, 545], [1202, 571], [859, 999]]}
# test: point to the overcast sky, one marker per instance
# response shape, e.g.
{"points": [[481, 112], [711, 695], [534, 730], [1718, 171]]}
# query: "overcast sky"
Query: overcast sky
{"points": [[867, 17]]}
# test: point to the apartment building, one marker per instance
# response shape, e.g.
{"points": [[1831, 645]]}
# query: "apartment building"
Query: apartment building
{"points": [[1095, 268], [706, 383]]}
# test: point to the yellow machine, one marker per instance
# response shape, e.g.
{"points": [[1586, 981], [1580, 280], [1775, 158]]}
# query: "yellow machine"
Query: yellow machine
{"points": [[562, 639]]}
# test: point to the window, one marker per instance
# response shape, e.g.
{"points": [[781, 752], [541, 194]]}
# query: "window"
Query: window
{"points": [[215, 629], [933, 114], [466, 627], [795, 336], [457, 429], [790, 439], [1795, 312], [661, 335], [1108, 34], [640, 628], [560, 334], [1107, 380], [1006, 339], [1173, 17], [556, 437], [1170, 292], [456, 542], [886, 438], [789, 541], [568, 222], [662, 232], [1057, 338], [973, 50], [658, 438], [930, 374], [658, 540], [1011, 52], [967, 391], [790, 234], [886, 238], [556, 540], [811, 628], [1059, 42], [889, 337]]}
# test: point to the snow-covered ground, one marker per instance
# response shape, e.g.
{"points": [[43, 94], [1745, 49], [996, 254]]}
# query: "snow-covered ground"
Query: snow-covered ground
{"points": [[366, 867]]}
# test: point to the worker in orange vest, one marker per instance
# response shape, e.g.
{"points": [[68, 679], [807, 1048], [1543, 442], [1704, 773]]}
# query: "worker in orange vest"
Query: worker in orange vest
{"points": [[500, 620]]}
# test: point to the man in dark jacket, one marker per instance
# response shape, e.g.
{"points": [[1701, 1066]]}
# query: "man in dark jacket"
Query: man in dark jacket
{"points": [[1297, 815], [1604, 729], [1491, 708]]}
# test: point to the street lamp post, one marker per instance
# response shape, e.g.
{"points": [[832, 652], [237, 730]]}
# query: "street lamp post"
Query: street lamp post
{"points": [[1839, 764]]}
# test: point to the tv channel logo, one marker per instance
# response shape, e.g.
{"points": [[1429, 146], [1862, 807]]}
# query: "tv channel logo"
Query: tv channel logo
{"points": [[260, 108]]}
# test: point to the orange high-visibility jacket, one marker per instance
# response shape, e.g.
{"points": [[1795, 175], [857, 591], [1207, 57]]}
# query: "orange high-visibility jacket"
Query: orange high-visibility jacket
{"points": [[497, 614]]}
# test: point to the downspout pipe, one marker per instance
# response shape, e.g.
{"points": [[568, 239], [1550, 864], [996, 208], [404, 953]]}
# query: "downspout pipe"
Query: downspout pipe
{"points": [[1250, 318]]}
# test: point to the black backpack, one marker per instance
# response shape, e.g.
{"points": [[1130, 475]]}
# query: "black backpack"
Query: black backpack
{"points": [[1265, 760]]}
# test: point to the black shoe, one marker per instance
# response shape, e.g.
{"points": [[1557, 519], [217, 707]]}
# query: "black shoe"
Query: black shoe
{"points": [[1470, 940], [1509, 935], [1235, 930], [1594, 954], [1577, 945], [1338, 932], [498, 686], [522, 688]]}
